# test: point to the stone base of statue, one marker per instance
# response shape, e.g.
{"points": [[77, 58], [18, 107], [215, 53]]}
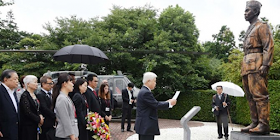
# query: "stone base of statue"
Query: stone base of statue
{"points": [[237, 135]]}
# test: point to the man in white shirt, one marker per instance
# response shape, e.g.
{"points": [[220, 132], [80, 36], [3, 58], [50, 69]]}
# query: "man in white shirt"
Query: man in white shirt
{"points": [[146, 124], [128, 101], [9, 119]]}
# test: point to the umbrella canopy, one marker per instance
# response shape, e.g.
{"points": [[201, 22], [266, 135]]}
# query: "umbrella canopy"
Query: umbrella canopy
{"points": [[229, 88], [80, 54]]}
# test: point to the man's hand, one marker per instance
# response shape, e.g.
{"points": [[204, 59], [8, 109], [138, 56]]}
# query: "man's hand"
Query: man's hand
{"points": [[264, 70], [1, 135], [217, 108], [172, 101], [224, 104], [41, 120], [131, 101]]}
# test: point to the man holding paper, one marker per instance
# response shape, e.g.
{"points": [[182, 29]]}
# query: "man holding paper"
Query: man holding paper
{"points": [[146, 124]]}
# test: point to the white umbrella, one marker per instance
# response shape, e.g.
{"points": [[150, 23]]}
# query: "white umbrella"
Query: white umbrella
{"points": [[229, 88]]}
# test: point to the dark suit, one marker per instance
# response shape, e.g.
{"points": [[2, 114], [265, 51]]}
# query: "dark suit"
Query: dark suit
{"points": [[105, 104], [29, 117], [45, 108], [146, 124], [94, 105], [9, 118], [112, 99], [126, 108], [222, 113], [81, 111]]}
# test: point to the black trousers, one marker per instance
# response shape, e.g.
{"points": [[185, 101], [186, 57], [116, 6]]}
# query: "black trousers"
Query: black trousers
{"points": [[146, 137], [126, 113], [222, 119]]}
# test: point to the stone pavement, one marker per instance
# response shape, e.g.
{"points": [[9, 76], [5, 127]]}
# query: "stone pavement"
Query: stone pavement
{"points": [[115, 127]]}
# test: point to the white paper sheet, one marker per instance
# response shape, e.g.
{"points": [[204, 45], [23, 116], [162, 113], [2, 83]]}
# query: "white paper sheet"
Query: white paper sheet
{"points": [[176, 95]]}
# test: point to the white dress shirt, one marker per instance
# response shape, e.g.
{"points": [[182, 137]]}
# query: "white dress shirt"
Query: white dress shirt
{"points": [[11, 94]]}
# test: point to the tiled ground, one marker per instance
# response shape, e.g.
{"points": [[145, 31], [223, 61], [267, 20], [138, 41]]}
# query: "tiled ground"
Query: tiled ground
{"points": [[115, 127]]}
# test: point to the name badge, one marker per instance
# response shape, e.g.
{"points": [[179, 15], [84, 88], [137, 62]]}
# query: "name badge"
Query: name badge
{"points": [[107, 109]]}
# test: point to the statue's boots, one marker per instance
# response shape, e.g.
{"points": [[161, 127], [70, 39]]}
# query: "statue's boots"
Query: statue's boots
{"points": [[254, 116], [263, 115]]}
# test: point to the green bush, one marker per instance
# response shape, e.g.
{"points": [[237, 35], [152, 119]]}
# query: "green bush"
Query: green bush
{"points": [[186, 101], [274, 99]]}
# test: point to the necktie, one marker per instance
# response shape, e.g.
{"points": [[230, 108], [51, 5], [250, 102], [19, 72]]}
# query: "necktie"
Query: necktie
{"points": [[15, 95], [50, 95], [95, 93]]}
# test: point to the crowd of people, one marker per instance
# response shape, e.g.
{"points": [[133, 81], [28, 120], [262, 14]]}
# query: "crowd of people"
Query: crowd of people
{"points": [[57, 111]]}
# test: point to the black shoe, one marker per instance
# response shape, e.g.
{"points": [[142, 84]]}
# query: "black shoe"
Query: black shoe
{"points": [[220, 137], [129, 130], [122, 130]]}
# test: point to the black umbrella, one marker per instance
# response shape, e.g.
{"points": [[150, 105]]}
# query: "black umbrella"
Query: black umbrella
{"points": [[80, 54]]}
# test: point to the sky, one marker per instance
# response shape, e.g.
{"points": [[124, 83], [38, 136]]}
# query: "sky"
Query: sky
{"points": [[210, 15]]}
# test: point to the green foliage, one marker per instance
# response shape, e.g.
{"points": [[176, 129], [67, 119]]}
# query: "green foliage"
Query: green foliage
{"points": [[186, 101], [274, 97], [223, 43], [232, 69]]}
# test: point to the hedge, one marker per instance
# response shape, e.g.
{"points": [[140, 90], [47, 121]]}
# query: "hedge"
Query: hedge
{"points": [[239, 109]]}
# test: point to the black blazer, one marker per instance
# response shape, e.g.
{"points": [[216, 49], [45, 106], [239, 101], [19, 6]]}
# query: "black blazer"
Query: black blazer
{"points": [[146, 122], [219, 102], [9, 119], [29, 117], [93, 101], [29, 113], [112, 99], [125, 98], [45, 108], [105, 104], [81, 111]]}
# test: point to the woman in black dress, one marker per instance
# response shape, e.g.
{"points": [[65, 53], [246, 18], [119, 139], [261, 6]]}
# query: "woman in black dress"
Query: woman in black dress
{"points": [[81, 106], [105, 100], [30, 117]]}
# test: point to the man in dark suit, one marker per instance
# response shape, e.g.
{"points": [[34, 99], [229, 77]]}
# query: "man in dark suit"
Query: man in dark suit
{"points": [[9, 119], [128, 101], [146, 124], [92, 97], [45, 98], [220, 107]]}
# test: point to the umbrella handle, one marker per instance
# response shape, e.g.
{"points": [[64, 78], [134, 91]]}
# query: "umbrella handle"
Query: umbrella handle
{"points": [[229, 119]]}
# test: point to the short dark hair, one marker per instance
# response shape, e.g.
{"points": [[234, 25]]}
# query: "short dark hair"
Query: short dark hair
{"points": [[44, 79], [130, 85], [6, 74], [219, 86], [90, 77]]}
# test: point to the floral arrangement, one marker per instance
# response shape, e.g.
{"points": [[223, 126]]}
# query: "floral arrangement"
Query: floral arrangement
{"points": [[97, 124]]}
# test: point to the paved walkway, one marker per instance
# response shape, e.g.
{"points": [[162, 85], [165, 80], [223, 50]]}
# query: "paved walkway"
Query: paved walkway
{"points": [[172, 130]]}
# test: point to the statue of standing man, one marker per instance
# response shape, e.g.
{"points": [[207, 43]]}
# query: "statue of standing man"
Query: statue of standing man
{"points": [[258, 49]]}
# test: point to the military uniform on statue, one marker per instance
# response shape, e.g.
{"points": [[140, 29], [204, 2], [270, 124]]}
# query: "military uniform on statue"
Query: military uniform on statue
{"points": [[258, 49]]}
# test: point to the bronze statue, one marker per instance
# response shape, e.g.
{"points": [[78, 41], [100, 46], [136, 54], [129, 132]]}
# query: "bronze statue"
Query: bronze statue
{"points": [[258, 49]]}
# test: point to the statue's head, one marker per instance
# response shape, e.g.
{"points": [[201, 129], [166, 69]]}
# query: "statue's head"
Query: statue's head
{"points": [[253, 9]]}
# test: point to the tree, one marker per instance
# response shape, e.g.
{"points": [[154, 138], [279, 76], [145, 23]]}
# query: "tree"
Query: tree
{"points": [[222, 44]]}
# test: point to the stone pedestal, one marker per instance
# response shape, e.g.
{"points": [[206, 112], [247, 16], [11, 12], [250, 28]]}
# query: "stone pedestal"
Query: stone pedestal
{"points": [[237, 135]]}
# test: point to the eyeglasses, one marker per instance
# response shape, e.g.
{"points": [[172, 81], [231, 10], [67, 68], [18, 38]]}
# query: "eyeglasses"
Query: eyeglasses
{"points": [[95, 81], [50, 83]]}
